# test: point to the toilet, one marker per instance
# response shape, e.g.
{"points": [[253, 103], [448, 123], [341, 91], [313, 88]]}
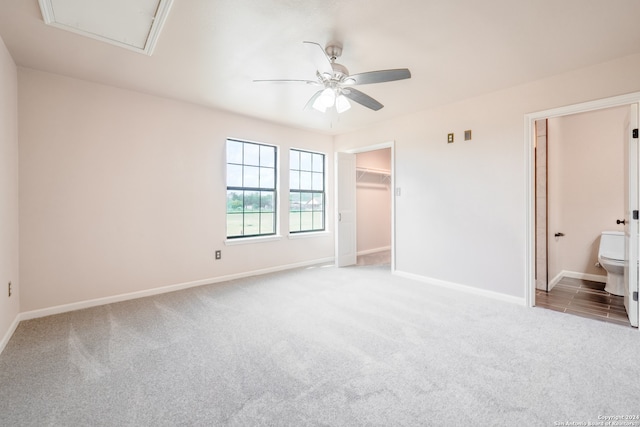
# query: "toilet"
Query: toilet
{"points": [[611, 258]]}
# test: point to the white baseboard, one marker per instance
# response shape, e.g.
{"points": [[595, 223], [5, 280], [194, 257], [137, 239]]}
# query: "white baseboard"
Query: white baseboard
{"points": [[555, 280], [156, 291], [584, 276], [464, 288], [575, 275], [9, 334], [374, 250]]}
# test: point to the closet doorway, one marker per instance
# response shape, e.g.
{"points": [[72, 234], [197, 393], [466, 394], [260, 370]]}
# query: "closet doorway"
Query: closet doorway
{"points": [[374, 207]]}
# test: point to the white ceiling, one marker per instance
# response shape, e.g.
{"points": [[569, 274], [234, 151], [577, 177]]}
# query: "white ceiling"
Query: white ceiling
{"points": [[210, 51]]}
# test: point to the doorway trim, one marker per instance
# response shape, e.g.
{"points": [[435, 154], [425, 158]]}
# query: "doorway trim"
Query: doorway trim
{"points": [[390, 144], [529, 138]]}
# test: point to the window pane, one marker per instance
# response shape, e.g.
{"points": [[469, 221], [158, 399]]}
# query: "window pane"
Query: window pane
{"points": [[318, 202], [294, 202], [306, 201], [251, 224], [234, 201], [267, 178], [317, 181], [252, 201], [267, 156], [305, 161], [267, 225], [251, 154], [318, 221], [251, 176], [234, 224], [294, 221], [294, 159], [318, 163], [306, 221], [294, 180], [234, 175], [305, 180], [266, 201], [234, 152]]}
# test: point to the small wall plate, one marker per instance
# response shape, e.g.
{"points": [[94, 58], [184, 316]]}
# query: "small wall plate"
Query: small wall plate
{"points": [[449, 138]]}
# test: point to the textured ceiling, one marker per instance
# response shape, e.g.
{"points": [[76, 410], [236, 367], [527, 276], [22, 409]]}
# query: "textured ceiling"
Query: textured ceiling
{"points": [[210, 51]]}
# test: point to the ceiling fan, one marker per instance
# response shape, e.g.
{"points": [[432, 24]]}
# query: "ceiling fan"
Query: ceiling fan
{"points": [[336, 83]]}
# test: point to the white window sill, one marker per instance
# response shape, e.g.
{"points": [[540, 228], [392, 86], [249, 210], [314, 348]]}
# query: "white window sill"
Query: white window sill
{"points": [[248, 240], [309, 234]]}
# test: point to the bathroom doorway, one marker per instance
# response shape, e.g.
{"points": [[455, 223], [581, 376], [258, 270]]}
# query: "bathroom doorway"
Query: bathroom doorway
{"points": [[577, 156]]}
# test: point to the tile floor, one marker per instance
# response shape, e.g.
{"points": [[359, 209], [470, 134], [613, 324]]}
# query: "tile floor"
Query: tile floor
{"points": [[584, 298]]}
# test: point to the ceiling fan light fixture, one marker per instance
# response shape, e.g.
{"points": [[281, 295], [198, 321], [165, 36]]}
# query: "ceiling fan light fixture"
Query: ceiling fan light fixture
{"points": [[328, 97], [342, 104], [319, 105]]}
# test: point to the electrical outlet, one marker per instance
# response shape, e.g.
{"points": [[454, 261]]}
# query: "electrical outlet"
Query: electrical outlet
{"points": [[218, 254], [9, 289]]}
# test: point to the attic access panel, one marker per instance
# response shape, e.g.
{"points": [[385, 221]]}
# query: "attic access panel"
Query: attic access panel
{"points": [[132, 24]]}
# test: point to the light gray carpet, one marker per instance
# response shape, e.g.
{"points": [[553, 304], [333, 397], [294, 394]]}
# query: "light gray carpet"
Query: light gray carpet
{"points": [[318, 346]]}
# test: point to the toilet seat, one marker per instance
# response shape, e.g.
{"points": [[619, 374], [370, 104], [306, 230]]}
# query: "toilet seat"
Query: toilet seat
{"points": [[611, 259]]}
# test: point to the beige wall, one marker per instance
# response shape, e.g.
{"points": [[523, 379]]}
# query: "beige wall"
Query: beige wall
{"points": [[123, 192], [461, 216], [373, 201], [9, 306], [586, 189]]}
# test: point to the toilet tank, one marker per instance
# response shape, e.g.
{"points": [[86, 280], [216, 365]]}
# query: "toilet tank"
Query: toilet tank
{"points": [[612, 245]]}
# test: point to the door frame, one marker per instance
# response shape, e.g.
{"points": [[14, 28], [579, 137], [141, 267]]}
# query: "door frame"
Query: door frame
{"points": [[529, 138], [374, 147]]}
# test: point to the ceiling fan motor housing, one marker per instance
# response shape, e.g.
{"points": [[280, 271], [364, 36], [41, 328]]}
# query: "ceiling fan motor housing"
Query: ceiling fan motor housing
{"points": [[339, 71], [333, 51]]}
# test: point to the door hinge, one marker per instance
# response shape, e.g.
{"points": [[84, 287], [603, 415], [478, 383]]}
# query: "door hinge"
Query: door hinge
{"points": [[635, 295], [635, 214], [634, 133]]}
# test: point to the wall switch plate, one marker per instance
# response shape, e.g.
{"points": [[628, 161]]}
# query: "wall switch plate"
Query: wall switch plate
{"points": [[467, 135], [218, 254], [449, 138], [398, 192], [9, 289]]}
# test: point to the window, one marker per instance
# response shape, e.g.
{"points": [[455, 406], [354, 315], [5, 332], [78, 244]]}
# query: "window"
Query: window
{"points": [[306, 193], [251, 189]]}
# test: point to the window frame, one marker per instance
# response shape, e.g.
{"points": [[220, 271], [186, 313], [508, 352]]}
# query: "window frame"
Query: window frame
{"points": [[255, 189], [309, 191]]}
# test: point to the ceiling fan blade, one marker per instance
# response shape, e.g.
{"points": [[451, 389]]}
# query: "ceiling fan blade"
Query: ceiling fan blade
{"points": [[309, 82], [380, 76], [319, 58], [313, 99], [362, 99]]}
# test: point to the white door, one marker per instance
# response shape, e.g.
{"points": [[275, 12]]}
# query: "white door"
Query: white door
{"points": [[632, 249], [345, 209]]}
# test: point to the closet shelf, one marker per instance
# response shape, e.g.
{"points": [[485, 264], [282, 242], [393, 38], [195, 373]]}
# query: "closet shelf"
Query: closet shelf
{"points": [[385, 175]]}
